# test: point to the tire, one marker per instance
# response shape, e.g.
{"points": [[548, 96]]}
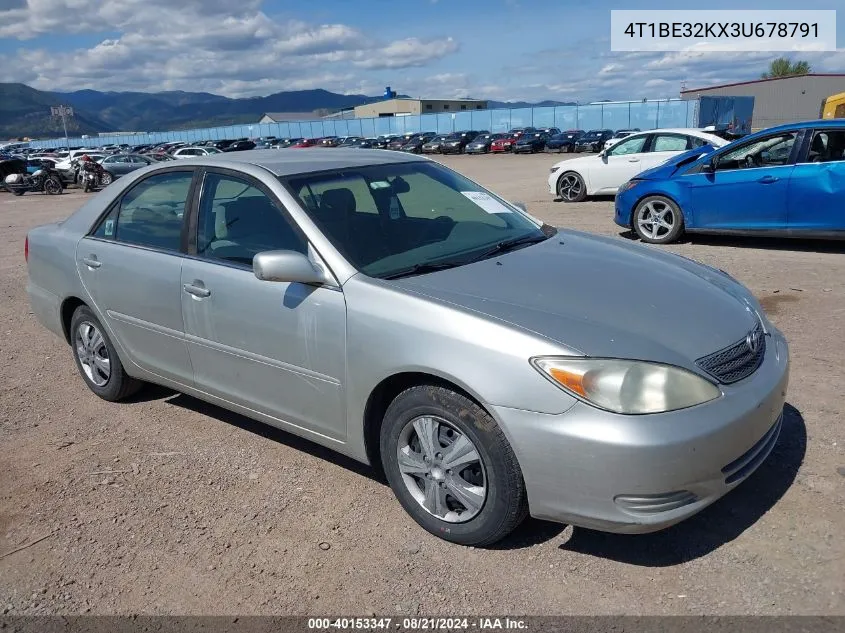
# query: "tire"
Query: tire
{"points": [[113, 387], [107, 179], [571, 187], [17, 192], [52, 186], [489, 478], [646, 215]]}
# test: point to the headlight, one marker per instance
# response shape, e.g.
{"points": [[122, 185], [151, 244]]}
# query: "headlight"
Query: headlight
{"points": [[627, 386], [554, 169], [629, 185]]}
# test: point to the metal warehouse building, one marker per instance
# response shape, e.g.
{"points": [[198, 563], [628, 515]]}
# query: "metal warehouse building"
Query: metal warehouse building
{"points": [[403, 106], [779, 100]]}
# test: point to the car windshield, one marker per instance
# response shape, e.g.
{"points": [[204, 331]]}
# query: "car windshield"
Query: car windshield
{"points": [[396, 219], [591, 135]]}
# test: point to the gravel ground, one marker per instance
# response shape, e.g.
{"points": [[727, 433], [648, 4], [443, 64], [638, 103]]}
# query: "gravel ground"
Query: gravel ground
{"points": [[167, 505]]}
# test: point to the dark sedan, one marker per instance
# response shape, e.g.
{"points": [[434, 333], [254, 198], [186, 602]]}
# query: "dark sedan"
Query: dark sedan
{"points": [[383, 141], [240, 146], [416, 143], [364, 143], [564, 142], [349, 141], [481, 143], [434, 145], [400, 141], [456, 142], [593, 141], [530, 142], [119, 165]]}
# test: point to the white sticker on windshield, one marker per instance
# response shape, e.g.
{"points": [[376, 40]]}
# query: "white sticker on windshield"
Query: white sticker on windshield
{"points": [[486, 202], [379, 184]]}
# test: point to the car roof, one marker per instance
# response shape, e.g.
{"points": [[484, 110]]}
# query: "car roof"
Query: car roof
{"points": [[286, 162]]}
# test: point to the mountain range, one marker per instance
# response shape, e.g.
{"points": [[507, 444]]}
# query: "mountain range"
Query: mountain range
{"points": [[25, 111]]}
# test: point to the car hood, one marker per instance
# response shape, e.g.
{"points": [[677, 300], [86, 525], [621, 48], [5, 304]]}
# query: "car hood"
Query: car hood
{"points": [[601, 297], [670, 166]]}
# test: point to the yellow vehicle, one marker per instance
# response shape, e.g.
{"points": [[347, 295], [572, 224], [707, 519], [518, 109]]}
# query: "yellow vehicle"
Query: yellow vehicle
{"points": [[834, 107]]}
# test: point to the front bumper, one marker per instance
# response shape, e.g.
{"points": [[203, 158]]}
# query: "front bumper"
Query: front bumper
{"points": [[623, 205], [553, 178], [636, 474], [447, 149]]}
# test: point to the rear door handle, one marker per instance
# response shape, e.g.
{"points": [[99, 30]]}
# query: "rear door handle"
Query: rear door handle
{"points": [[767, 180], [91, 261], [196, 290]]}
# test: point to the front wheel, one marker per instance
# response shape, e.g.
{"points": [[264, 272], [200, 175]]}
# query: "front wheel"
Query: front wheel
{"points": [[658, 220], [18, 192], [106, 179], [451, 467], [571, 187]]}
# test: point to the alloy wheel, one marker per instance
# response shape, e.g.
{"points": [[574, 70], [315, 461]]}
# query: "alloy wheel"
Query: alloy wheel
{"points": [[442, 469], [656, 219], [570, 187], [92, 352]]}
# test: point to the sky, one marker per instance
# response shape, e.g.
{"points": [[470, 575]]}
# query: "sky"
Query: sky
{"points": [[492, 49]]}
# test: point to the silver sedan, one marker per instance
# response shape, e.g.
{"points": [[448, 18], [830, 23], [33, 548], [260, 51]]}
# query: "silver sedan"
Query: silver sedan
{"points": [[387, 307]]}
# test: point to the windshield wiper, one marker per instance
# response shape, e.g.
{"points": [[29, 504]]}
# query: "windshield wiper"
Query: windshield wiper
{"points": [[508, 245], [421, 269]]}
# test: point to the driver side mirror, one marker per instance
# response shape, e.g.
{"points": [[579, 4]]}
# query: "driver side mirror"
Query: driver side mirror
{"points": [[288, 266]]}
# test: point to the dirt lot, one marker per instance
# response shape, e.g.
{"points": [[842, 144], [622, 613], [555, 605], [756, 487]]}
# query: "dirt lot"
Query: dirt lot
{"points": [[207, 512]]}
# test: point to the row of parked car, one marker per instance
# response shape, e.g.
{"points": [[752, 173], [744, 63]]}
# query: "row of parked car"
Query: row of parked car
{"points": [[517, 140], [787, 181]]}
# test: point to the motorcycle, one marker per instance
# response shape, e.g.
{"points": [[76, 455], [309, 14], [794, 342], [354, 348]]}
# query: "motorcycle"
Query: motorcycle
{"points": [[89, 174], [18, 181]]}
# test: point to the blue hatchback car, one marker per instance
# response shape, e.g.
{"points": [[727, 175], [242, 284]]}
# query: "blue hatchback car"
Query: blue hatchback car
{"points": [[783, 181]]}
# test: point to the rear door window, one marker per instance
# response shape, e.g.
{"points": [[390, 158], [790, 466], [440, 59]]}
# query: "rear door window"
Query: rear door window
{"points": [[669, 143], [826, 146], [151, 213]]}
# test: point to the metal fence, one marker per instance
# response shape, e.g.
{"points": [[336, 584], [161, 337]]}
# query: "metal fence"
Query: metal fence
{"points": [[645, 115]]}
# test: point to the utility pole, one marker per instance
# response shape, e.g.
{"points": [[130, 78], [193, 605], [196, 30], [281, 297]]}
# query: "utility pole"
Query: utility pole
{"points": [[63, 111]]}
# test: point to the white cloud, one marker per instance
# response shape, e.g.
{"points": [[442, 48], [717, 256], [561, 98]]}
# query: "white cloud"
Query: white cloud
{"points": [[200, 45]]}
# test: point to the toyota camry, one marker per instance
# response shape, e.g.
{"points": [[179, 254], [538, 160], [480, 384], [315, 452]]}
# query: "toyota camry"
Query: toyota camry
{"points": [[387, 307]]}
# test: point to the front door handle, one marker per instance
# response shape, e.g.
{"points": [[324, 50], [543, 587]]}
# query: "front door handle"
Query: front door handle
{"points": [[767, 180], [633, 160], [91, 261], [197, 290]]}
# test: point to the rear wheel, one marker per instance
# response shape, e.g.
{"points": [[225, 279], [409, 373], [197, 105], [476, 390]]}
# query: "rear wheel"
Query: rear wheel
{"points": [[97, 360], [658, 220], [451, 467], [52, 186], [106, 179], [571, 187]]}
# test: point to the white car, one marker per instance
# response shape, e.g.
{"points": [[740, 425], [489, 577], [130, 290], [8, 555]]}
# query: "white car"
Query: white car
{"points": [[575, 179], [193, 152]]}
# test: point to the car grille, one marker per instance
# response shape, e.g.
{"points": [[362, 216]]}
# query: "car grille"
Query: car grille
{"points": [[736, 361]]}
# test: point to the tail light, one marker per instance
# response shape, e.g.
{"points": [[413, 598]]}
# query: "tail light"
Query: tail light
{"points": [[26, 249]]}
